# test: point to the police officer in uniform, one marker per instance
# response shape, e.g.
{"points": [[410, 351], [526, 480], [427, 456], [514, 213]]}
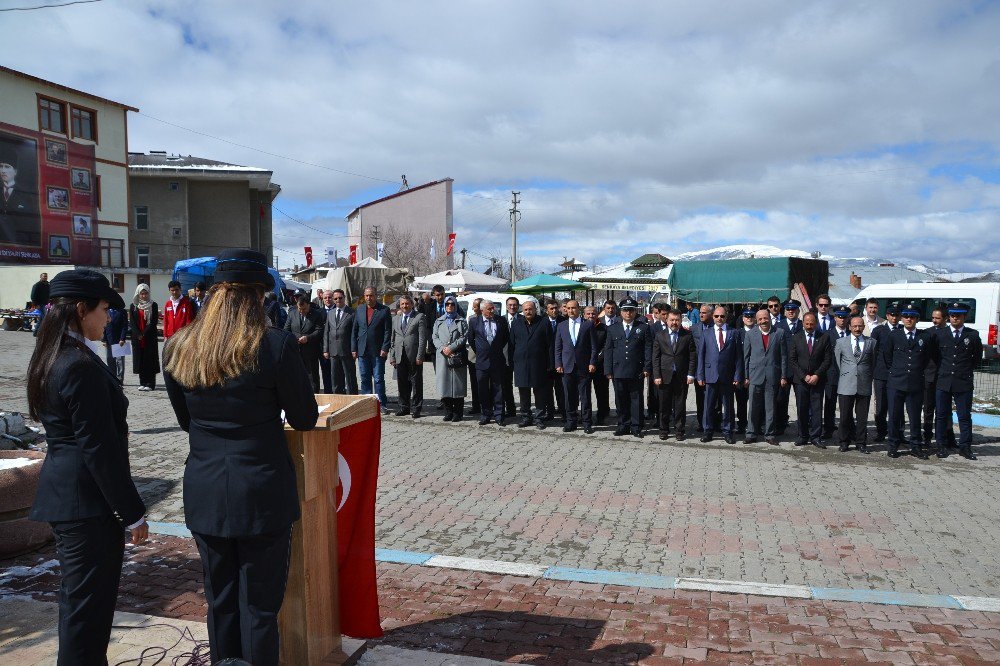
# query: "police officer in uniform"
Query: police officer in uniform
{"points": [[957, 349], [742, 392], [841, 315], [938, 318], [904, 354], [792, 325], [880, 391], [628, 359]]}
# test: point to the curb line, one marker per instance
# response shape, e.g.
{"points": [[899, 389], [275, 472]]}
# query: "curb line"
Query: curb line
{"points": [[658, 582]]}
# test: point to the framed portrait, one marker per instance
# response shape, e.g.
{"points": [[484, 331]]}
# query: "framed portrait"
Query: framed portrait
{"points": [[55, 152], [57, 198], [60, 247], [82, 225], [20, 220], [80, 179]]}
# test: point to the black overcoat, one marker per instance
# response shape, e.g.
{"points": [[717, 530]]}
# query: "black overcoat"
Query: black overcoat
{"points": [[531, 353], [144, 359]]}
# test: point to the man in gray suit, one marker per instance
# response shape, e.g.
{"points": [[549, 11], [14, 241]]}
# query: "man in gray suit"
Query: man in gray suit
{"points": [[854, 356], [337, 343], [406, 354], [765, 358]]}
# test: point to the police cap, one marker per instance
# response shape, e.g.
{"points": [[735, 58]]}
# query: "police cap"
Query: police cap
{"points": [[791, 304], [910, 310], [842, 311], [958, 307], [628, 304]]}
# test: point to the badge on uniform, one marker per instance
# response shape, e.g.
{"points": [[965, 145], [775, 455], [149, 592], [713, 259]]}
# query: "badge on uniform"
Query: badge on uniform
{"points": [[920, 342], [966, 341]]}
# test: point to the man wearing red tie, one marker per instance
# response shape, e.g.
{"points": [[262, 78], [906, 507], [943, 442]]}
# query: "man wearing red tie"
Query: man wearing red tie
{"points": [[720, 370], [178, 311], [810, 355]]}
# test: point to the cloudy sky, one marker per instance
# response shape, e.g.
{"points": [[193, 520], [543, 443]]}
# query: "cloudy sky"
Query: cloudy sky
{"points": [[853, 128]]}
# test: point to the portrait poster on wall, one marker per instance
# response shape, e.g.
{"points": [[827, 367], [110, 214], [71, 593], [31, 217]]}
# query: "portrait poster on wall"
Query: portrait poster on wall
{"points": [[48, 211]]}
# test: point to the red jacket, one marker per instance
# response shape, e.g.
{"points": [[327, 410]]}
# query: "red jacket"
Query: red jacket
{"points": [[175, 320]]}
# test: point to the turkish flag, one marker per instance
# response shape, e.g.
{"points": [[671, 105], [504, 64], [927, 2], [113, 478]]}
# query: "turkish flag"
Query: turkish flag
{"points": [[358, 471], [354, 254], [309, 256], [451, 244]]}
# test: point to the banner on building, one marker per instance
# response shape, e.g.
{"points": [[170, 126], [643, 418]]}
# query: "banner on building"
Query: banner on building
{"points": [[379, 251], [331, 256], [451, 244], [354, 255], [309, 256], [48, 199]]}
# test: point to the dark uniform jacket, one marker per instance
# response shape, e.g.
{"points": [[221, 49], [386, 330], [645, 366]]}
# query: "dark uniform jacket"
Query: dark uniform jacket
{"points": [[684, 356], [531, 352], [881, 334], [337, 335], [489, 357], [86, 472], [600, 338], [905, 360], [312, 325], [628, 358], [369, 339], [239, 479], [956, 359], [803, 363], [117, 329]]}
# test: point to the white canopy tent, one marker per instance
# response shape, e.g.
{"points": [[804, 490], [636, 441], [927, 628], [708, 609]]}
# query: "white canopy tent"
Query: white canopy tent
{"points": [[459, 280]]}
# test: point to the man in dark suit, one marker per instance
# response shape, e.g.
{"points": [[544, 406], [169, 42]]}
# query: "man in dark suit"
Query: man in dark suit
{"points": [[697, 330], [407, 355], [20, 222], [791, 324], [488, 335], [555, 398], [337, 334], [880, 383], [841, 319], [720, 370], [675, 361], [657, 323], [628, 359], [531, 356], [575, 359], [370, 340], [957, 350], [766, 370], [811, 356], [513, 306], [432, 309], [115, 335], [854, 358], [602, 320], [475, 408], [741, 395], [906, 351], [938, 318], [306, 322]]}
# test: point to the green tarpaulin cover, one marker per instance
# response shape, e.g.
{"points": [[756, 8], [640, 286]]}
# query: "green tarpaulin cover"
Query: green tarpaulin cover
{"points": [[746, 280]]}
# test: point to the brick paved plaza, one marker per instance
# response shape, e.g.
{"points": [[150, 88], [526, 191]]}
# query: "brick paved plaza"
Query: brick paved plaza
{"points": [[799, 516]]}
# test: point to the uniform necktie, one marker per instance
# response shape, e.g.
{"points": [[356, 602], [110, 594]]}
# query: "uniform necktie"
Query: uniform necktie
{"points": [[910, 336], [809, 342], [843, 333], [958, 335], [627, 330]]}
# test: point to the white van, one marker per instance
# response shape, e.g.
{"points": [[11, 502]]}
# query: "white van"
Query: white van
{"points": [[982, 297]]}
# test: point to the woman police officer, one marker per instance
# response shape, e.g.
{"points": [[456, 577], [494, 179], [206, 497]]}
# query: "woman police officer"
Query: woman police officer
{"points": [[86, 490]]}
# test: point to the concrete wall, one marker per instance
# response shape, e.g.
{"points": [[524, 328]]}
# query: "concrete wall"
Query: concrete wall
{"points": [[218, 215], [16, 282], [167, 211]]}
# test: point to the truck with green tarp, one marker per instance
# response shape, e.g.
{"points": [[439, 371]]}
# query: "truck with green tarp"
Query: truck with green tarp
{"points": [[743, 281]]}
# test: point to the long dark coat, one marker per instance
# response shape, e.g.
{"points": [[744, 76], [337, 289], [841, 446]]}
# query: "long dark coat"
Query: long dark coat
{"points": [[531, 352], [144, 359]]}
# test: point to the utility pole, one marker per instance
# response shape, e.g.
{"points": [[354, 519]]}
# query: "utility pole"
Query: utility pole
{"points": [[464, 251], [374, 237], [515, 215]]}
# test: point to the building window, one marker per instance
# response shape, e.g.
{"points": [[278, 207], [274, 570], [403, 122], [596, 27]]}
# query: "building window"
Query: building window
{"points": [[142, 256], [52, 115], [83, 123], [174, 186], [143, 278], [118, 282], [176, 232], [112, 252], [142, 218]]}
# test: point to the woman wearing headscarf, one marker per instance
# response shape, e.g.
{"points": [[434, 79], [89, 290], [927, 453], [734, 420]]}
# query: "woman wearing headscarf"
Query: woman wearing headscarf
{"points": [[449, 336], [85, 491], [143, 316], [229, 376]]}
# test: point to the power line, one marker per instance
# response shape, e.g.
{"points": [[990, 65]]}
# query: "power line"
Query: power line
{"points": [[63, 4], [306, 225]]}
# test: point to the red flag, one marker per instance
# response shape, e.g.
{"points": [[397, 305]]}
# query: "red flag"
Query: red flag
{"points": [[451, 244], [354, 254], [309, 256], [358, 472]]}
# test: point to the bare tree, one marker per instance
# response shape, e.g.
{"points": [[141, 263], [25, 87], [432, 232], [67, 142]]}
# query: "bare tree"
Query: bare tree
{"points": [[405, 248], [501, 265]]}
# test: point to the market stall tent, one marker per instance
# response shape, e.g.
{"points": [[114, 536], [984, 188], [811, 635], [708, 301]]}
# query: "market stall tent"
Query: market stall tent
{"points": [[459, 279], [366, 273], [202, 269]]}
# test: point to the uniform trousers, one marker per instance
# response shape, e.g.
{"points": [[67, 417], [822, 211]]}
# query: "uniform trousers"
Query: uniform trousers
{"points": [[742, 398], [576, 389], [90, 553], [345, 375], [854, 419], [244, 586], [410, 379], [652, 399], [628, 403], [830, 408], [942, 421], [147, 378], [911, 401], [809, 411], [601, 395], [325, 370], [930, 409], [880, 392], [718, 394], [672, 398]]}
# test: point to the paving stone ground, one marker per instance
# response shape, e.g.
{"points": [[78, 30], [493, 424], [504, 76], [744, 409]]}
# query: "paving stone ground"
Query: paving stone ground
{"points": [[471, 615]]}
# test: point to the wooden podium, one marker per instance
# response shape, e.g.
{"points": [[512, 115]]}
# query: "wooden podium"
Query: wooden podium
{"points": [[309, 620]]}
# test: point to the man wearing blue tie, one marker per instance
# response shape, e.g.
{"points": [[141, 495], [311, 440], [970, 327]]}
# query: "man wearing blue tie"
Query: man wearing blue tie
{"points": [[575, 360], [824, 315]]}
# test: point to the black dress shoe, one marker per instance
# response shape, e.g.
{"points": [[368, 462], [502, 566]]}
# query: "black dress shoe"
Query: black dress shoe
{"points": [[416, 415], [730, 438], [917, 452], [941, 454], [818, 444], [589, 430], [750, 440], [967, 454], [664, 435], [569, 428], [843, 448], [499, 422], [458, 416], [540, 425], [773, 441], [621, 430], [801, 442], [637, 433], [524, 423], [483, 421], [893, 454], [449, 417], [403, 412], [681, 437], [864, 449], [706, 438]]}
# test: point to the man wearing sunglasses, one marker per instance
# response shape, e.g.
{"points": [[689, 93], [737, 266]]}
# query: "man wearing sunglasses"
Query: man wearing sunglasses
{"points": [[720, 371]]}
